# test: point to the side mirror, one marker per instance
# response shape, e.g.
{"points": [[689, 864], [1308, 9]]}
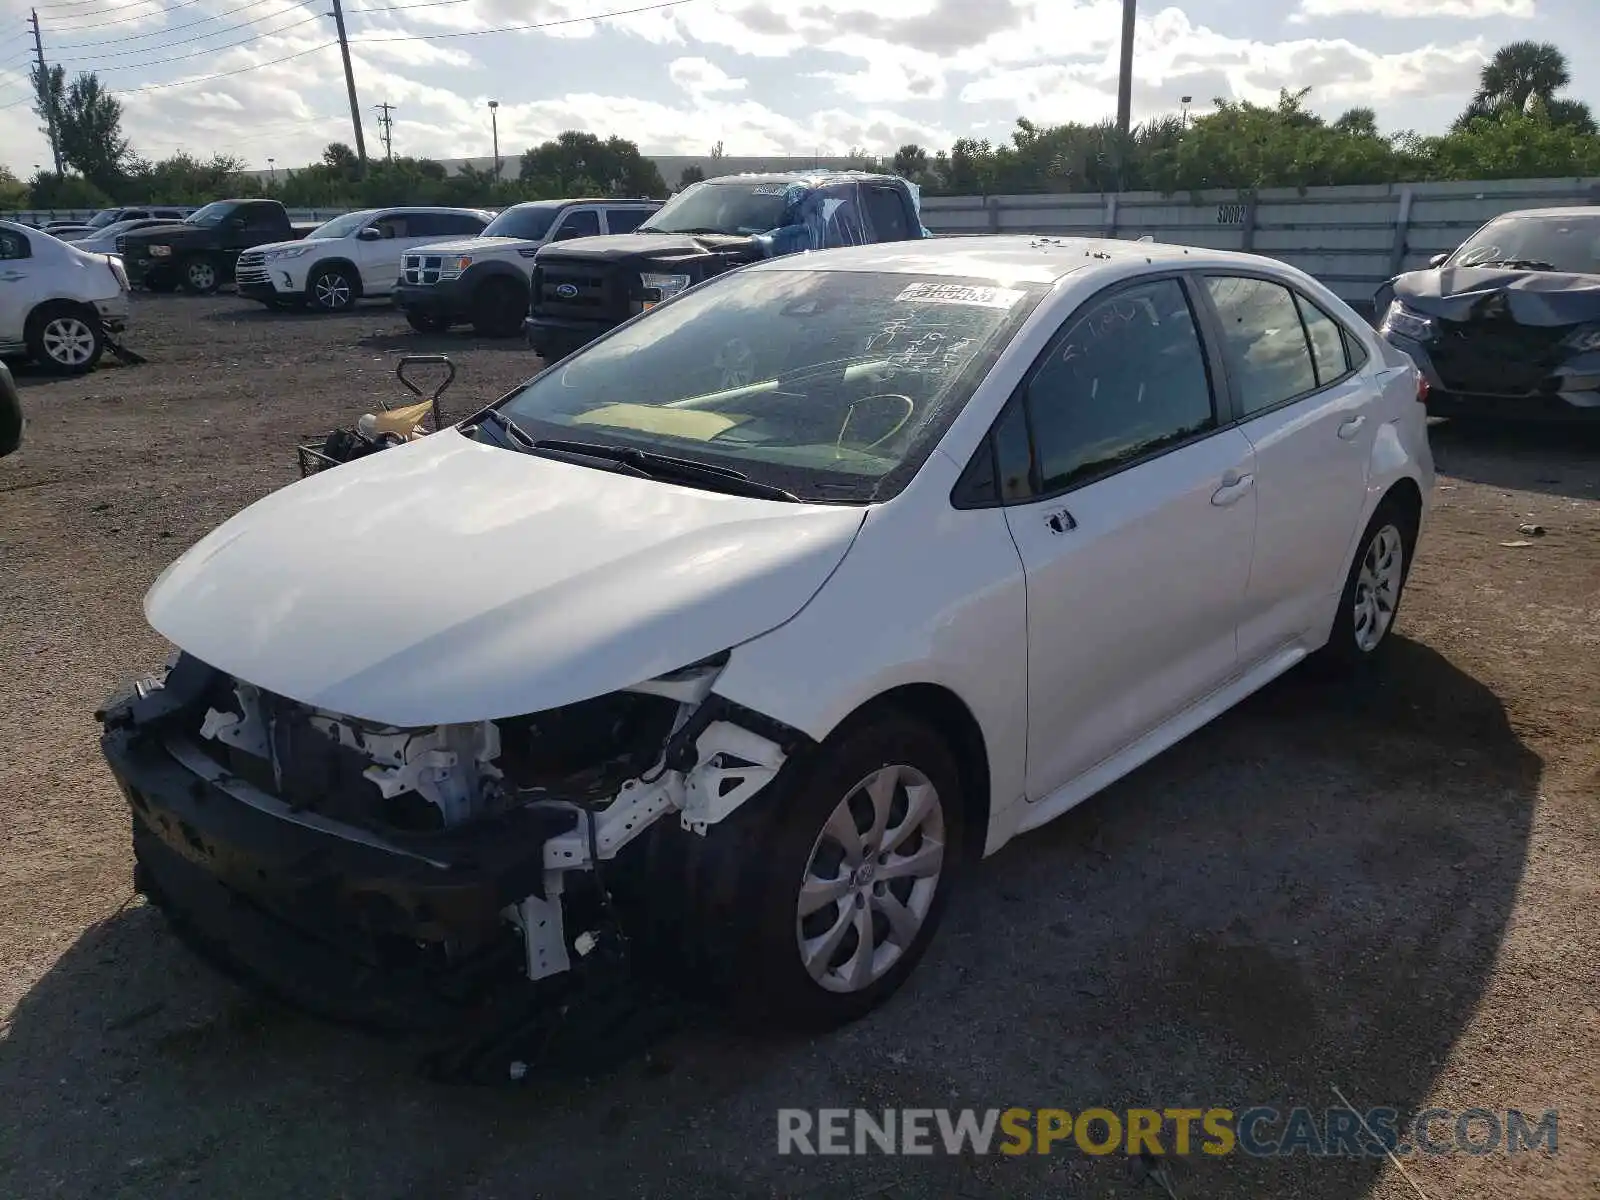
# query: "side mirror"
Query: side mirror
{"points": [[1437, 261], [370, 234], [10, 413]]}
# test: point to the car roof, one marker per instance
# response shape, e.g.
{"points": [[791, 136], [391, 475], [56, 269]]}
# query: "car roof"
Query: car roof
{"points": [[1020, 257], [585, 200], [809, 178], [1560, 214]]}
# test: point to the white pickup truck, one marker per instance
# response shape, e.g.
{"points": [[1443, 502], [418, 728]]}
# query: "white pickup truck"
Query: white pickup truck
{"points": [[57, 303], [350, 257]]}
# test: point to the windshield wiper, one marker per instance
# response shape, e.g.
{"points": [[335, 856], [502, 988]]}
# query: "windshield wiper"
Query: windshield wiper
{"points": [[667, 467], [512, 431]]}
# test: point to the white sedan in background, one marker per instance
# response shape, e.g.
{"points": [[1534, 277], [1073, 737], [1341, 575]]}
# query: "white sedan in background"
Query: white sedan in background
{"points": [[104, 240], [57, 302], [984, 524]]}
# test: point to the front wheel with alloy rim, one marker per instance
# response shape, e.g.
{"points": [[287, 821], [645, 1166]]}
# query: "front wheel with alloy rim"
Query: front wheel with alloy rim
{"points": [[1376, 581], [810, 905], [200, 276], [65, 339], [332, 290]]}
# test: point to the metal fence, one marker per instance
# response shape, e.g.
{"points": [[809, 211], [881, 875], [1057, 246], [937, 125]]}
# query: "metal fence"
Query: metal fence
{"points": [[1351, 238]]}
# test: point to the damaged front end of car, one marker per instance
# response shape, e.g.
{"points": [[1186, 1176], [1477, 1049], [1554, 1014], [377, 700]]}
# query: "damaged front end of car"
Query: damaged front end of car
{"points": [[450, 880]]}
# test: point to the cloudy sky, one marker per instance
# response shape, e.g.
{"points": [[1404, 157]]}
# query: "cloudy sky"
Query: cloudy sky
{"points": [[761, 76]]}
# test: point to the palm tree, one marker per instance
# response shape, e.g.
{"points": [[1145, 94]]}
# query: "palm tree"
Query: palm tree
{"points": [[1518, 74]]}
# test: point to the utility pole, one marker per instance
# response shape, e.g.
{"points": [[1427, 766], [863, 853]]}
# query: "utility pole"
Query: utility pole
{"points": [[386, 123], [44, 91], [1130, 14], [350, 84]]}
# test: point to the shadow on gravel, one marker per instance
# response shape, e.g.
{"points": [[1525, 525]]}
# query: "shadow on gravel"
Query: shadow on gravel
{"points": [[1308, 894], [1553, 460]]}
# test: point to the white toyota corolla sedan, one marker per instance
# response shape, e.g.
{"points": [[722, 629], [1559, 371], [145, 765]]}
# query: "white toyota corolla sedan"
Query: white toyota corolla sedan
{"points": [[733, 638]]}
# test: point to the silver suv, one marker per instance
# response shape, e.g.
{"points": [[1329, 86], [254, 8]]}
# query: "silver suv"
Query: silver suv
{"points": [[486, 280]]}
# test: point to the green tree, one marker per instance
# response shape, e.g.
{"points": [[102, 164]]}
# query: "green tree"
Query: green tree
{"points": [[1358, 122], [911, 162], [575, 163], [690, 174], [47, 190], [88, 125], [1522, 77], [13, 192]]}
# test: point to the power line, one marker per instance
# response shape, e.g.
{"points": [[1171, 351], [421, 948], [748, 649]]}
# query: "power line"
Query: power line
{"points": [[159, 62], [434, 37], [156, 87], [137, 17], [134, 37], [96, 58]]}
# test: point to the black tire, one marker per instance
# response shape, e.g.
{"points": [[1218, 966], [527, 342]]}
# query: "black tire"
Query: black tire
{"points": [[427, 322], [200, 274], [723, 909], [66, 339], [1349, 651], [333, 289], [498, 309]]}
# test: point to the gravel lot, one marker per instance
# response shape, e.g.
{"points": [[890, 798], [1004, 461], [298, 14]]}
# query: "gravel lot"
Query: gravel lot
{"points": [[1390, 892]]}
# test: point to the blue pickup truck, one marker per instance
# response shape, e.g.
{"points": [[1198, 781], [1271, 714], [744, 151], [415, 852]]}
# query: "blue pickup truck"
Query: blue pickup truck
{"points": [[584, 287]]}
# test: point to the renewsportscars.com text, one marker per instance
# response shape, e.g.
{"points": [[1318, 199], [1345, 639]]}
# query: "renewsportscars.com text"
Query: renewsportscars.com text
{"points": [[1259, 1132]]}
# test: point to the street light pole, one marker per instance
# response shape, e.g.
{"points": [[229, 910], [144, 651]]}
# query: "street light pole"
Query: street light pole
{"points": [[1186, 101], [272, 166], [494, 121]]}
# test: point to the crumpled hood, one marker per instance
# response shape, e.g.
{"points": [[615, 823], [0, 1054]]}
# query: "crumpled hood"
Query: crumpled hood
{"points": [[662, 248], [473, 245], [448, 581], [1461, 294]]}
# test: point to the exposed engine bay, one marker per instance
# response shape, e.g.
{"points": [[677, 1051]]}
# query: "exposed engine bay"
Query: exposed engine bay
{"points": [[448, 852]]}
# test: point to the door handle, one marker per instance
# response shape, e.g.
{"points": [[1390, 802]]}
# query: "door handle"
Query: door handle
{"points": [[1352, 427], [1233, 489]]}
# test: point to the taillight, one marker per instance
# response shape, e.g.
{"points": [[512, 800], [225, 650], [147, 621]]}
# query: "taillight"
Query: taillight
{"points": [[1422, 389]]}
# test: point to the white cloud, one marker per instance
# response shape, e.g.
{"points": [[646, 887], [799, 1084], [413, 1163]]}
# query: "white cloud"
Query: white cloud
{"points": [[699, 77], [1471, 10]]}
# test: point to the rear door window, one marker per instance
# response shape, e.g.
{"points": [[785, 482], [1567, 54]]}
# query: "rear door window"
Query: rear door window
{"points": [[13, 246], [1327, 342], [1269, 355], [886, 209]]}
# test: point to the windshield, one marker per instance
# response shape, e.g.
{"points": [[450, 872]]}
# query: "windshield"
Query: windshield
{"points": [[106, 216], [212, 214], [1566, 243], [531, 223], [341, 226], [733, 208], [834, 385]]}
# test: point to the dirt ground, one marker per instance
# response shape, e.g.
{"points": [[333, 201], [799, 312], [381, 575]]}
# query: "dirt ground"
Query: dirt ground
{"points": [[1388, 892]]}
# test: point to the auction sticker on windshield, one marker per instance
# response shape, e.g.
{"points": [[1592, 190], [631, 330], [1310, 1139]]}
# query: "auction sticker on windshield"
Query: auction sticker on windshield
{"points": [[956, 293]]}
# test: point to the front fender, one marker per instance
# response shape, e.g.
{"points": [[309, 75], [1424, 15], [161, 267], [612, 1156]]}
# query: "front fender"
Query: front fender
{"points": [[892, 614]]}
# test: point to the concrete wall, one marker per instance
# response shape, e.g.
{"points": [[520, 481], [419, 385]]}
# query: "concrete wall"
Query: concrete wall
{"points": [[1352, 238]]}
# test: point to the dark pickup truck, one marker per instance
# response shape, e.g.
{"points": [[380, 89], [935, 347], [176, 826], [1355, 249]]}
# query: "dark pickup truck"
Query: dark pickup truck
{"points": [[198, 253], [585, 287]]}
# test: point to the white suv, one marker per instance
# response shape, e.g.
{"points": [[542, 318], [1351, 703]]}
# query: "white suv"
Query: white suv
{"points": [[57, 302], [349, 257], [487, 280]]}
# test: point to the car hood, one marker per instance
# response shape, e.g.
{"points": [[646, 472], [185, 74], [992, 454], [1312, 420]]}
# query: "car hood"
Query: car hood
{"points": [[474, 245], [295, 242], [447, 581], [654, 247], [164, 233], [1462, 294]]}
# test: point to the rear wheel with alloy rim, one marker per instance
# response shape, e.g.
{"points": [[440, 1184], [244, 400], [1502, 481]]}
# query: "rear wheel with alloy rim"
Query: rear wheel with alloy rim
{"points": [[1376, 581], [65, 339], [332, 290]]}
